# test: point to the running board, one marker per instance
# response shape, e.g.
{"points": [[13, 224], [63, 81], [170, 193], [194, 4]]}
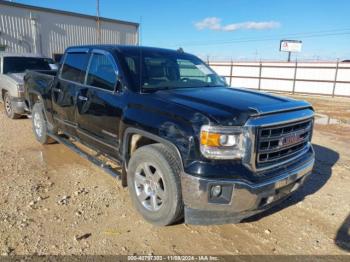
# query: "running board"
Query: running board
{"points": [[107, 168]]}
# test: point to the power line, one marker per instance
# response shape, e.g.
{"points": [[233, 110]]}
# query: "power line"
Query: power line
{"points": [[270, 38]]}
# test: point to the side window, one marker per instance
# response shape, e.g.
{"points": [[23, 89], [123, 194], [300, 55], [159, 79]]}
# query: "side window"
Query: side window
{"points": [[74, 67], [101, 72]]}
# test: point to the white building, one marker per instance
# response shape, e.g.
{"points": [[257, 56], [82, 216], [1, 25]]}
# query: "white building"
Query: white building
{"points": [[31, 29]]}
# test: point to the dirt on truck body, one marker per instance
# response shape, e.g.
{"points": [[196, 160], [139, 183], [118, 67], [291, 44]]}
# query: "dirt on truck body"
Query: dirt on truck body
{"points": [[52, 201]]}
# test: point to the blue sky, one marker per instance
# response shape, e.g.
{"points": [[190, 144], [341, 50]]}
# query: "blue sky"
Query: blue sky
{"points": [[225, 29]]}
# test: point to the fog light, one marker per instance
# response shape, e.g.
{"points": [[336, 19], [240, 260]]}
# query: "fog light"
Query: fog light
{"points": [[295, 187], [216, 191], [270, 199]]}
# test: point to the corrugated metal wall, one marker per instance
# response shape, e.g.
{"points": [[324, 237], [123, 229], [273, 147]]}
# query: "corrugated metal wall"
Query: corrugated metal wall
{"points": [[26, 30]]}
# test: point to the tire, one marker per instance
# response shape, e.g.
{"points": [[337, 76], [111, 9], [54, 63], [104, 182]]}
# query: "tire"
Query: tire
{"points": [[8, 107], [39, 125], [154, 184]]}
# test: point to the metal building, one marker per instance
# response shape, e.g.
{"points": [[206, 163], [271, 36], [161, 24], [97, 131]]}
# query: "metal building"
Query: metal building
{"points": [[31, 29]]}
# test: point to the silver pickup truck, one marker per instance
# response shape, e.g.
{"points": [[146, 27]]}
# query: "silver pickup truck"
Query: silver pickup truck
{"points": [[12, 71]]}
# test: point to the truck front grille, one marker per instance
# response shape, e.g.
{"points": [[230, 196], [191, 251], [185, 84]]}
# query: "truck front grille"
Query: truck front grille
{"points": [[278, 143]]}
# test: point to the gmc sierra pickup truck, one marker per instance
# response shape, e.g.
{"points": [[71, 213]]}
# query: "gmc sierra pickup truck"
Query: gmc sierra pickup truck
{"points": [[188, 145]]}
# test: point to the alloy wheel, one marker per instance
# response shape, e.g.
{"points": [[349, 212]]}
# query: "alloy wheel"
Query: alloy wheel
{"points": [[150, 187], [8, 107], [37, 124]]}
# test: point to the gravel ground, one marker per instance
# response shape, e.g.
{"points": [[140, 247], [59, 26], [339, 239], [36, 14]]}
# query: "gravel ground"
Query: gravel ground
{"points": [[54, 202]]}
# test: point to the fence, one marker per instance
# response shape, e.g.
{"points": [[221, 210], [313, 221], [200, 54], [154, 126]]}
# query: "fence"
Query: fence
{"points": [[323, 78]]}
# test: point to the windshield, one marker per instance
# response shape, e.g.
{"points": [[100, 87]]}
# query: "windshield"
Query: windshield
{"points": [[21, 64], [161, 69]]}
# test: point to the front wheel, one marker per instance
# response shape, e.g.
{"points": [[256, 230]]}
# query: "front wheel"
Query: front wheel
{"points": [[40, 125], [8, 108], [154, 184]]}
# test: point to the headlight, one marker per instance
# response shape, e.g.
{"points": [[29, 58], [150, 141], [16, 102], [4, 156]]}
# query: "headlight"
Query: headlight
{"points": [[222, 142]]}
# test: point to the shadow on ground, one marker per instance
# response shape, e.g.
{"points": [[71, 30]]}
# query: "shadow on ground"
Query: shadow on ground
{"points": [[342, 239], [322, 171]]}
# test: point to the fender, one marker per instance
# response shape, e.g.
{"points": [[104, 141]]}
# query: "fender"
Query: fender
{"points": [[31, 104], [132, 130]]}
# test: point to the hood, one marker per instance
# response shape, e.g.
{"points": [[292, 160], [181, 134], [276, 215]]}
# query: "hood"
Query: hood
{"points": [[230, 106], [17, 77]]}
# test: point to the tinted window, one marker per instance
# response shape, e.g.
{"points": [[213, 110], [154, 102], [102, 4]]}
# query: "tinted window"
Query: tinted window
{"points": [[20, 64], [189, 70], [57, 57], [101, 72], [74, 67], [162, 69]]}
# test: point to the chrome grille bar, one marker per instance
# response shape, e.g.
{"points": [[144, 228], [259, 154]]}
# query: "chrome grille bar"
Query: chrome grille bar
{"points": [[278, 143]]}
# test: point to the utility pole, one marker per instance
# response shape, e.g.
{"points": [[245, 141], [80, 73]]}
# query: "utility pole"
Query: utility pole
{"points": [[98, 21], [139, 42]]}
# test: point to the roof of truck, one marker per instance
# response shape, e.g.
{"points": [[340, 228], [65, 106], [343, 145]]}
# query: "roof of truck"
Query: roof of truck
{"points": [[122, 48]]}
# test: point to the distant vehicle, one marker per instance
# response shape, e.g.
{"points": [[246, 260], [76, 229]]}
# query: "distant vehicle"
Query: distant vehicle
{"points": [[12, 71], [346, 61], [187, 144]]}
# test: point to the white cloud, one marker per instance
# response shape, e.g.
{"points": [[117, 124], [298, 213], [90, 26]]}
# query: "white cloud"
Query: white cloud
{"points": [[214, 23]]}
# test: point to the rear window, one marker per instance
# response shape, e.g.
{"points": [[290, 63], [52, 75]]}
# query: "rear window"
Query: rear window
{"points": [[20, 64], [74, 67]]}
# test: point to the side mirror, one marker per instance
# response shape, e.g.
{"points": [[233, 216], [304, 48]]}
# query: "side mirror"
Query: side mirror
{"points": [[223, 79]]}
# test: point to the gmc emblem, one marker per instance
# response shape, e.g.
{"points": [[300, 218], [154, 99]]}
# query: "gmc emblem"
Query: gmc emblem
{"points": [[289, 140]]}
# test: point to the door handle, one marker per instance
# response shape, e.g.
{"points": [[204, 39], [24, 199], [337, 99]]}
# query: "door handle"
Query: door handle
{"points": [[83, 98], [56, 90]]}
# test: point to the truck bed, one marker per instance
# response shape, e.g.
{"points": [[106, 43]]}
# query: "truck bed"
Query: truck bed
{"points": [[38, 81]]}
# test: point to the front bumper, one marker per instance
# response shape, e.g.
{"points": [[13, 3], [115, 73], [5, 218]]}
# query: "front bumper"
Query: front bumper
{"points": [[239, 199], [18, 105]]}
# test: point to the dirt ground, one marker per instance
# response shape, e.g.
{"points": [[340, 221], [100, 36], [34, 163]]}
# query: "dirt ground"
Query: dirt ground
{"points": [[54, 202]]}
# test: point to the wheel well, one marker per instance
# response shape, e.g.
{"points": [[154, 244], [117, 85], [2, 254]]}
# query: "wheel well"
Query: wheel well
{"points": [[33, 98], [3, 92], [137, 141]]}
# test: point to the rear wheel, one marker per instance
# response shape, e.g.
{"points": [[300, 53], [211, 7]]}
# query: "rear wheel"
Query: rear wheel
{"points": [[40, 125], [8, 107], [154, 184]]}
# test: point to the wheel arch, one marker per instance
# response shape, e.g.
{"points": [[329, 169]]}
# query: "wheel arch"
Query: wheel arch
{"points": [[33, 97], [127, 145], [3, 92]]}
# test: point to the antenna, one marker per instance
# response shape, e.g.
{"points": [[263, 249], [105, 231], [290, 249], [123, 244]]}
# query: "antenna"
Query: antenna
{"points": [[140, 55]]}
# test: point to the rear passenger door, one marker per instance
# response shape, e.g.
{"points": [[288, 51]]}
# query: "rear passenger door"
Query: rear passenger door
{"points": [[99, 105], [65, 90]]}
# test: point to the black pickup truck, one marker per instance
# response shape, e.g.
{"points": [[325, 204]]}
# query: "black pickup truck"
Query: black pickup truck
{"points": [[188, 145]]}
